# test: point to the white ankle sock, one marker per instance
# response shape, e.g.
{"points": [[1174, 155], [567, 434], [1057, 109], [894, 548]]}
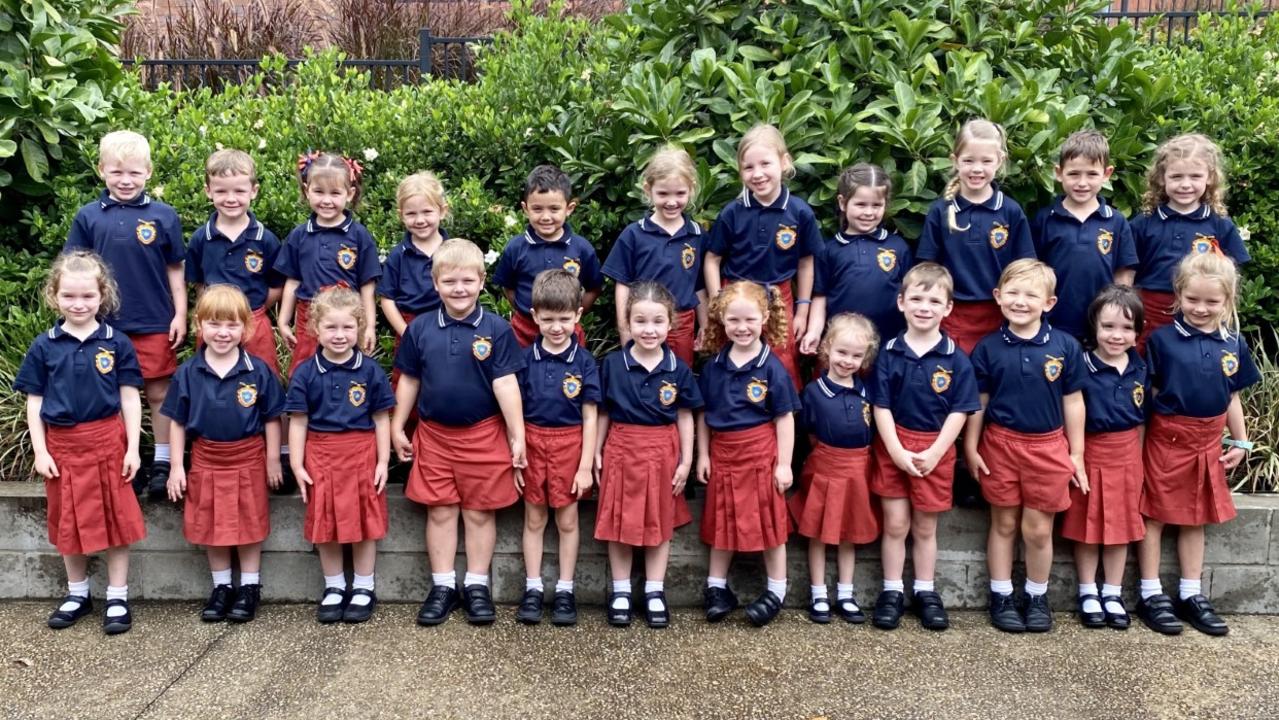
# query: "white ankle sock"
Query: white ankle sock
{"points": [[533, 584], [777, 587], [1035, 589], [843, 592], [117, 593], [250, 578], [221, 577], [284, 449], [716, 582], [564, 586], [333, 581], [925, 586], [1003, 587], [448, 579], [1090, 606], [621, 586], [1113, 607], [475, 579], [161, 453], [1189, 588], [75, 589], [1150, 588], [818, 592], [655, 586], [361, 582]]}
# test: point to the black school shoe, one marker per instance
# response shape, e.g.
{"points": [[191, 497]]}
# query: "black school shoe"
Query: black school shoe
{"points": [[439, 604], [563, 608], [928, 607], [1118, 621], [530, 610], [359, 613], [819, 610], [1091, 619], [246, 603], [332, 612], [61, 619], [850, 611], [158, 482], [120, 623], [1004, 614], [1198, 611], [1039, 617], [478, 604], [656, 619], [887, 614], [1156, 612], [219, 602], [764, 610], [718, 602], [619, 617]]}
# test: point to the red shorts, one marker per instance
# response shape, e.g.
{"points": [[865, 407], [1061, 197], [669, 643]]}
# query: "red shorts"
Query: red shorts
{"points": [[526, 330], [343, 505], [683, 335], [970, 321], [308, 344], [744, 510], [554, 454], [227, 501], [1158, 307], [91, 505], [261, 344], [931, 493], [1109, 514], [155, 356], [467, 466], [833, 504], [638, 504], [1185, 480], [1030, 470]]}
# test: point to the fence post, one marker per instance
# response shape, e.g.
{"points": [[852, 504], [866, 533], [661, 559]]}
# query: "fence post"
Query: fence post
{"points": [[424, 51]]}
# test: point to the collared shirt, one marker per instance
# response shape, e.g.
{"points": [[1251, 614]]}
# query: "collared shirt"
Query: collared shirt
{"points": [[320, 257], [636, 395], [764, 243], [339, 397], [528, 254], [139, 239], [79, 381], [1085, 254], [406, 278], [838, 416], [556, 385], [1194, 373], [457, 362], [1027, 378], [997, 233], [247, 261], [922, 391], [1165, 236], [644, 251], [224, 409], [738, 398], [862, 274], [1114, 401]]}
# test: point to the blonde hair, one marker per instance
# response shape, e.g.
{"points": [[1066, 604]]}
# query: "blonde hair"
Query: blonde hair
{"points": [[649, 291], [769, 303], [1211, 266], [670, 162], [424, 185], [123, 145], [337, 299], [930, 275], [224, 302], [768, 136], [83, 261], [328, 169], [229, 163], [1191, 146], [855, 324], [975, 130], [1030, 270], [457, 254]]}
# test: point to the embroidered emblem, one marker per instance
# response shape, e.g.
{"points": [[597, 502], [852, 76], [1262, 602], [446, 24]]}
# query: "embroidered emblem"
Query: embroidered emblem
{"points": [[886, 258], [104, 361], [688, 256], [1229, 363], [357, 394], [482, 347], [146, 232], [941, 380], [667, 394], [572, 266], [785, 237], [756, 390], [998, 236], [1053, 367], [1204, 243], [246, 395], [253, 261], [346, 257], [572, 385], [1105, 241], [1138, 395]]}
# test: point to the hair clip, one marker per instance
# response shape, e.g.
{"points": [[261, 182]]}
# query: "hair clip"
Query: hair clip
{"points": [[305, 159]]}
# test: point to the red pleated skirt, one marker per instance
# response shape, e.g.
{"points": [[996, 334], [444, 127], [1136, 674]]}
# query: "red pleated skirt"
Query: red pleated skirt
{"points": [[1185, 480], [933, 492], [1110, 513], [970, 321], [227, 501], [91, 506], [156, 358], [744, 510], [342, 505], [834, 503], [554, 454], [683, 335], [308, 344], [1158, 307], [637, 503], [526, 330]]}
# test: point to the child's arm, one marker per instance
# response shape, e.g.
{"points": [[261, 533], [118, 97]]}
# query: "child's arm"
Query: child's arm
{"points": [[888, 434], [582, 480], [972, 435], [803, 297], [297, 452], [1125, 276], [703, 449], [601, 434], [1072, 407], [685, 424], [1238, 431], [785, 425], [177, 288], [710, 273], [405, 400], [177, 485], [382, 434], [272, 297], [621, 294], [131, 410], [928, 459], [393, 315], [368, 298], [589, 297], [274, 472], [284, 320], [507, 391], [703, 314], [44, 466], [510, 298], [816, 321]]}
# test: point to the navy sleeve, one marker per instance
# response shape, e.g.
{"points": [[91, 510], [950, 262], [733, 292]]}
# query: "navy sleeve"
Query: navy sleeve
{"points": [[508, 356], [195, 258], [408, 359], [718, 241], [1037, 231], [127, 370], [287, 264], [390, 280], [619, 264], [177, 402], [271, 244], [1023, 246], [1076, 372], [370, 267], [881, 382], [783, 398], [81, 234], [296, 400], [821, 273], [1125, 248], [33, 374], [690, 391], [1248, 374], [965, 397], [504, 275], [591, 387], [590, 276], [171, 233], [381, 396], [932, 240], [1232, 243], [806, 419], [810, 235], [980, 371], [270, 397]]}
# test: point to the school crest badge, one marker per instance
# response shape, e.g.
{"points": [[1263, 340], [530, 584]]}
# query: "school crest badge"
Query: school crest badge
{"points": [[886, 259], [357, 394], [1053, 367], [346, 257], [253, 261], [667, 394], [687, 257], [1203, 243], [573, 266], [756, 390], [145, 232], [941, 380], [785, 237], [104, 360], [1229, 363], [482, 347], [1105, 241], [247, 395], [572, 385], [998, 236], [1138, 395]]}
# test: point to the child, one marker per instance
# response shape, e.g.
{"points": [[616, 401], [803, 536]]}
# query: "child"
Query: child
{"points": [[340, 400], [232, 247], [548, 242], [1030, 377], [1114, 398], [924, 389], [665, 247], [1183, 211], [767, 236], [860, 270], [231, 402], [84, 421], [140, 239], [975, 231], [643, 452], [463, 359], [746, 461], [833, 505], [560, 387], [405, 287], [1198, 365], [1086, 243]]}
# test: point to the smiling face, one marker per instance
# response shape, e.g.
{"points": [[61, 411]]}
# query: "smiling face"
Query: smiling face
{"points": [[222, 337], [556, 326], [1203, 303], [337, 331], [125, 177], [459, 288], [1023, 302], [421, 218], [547, 211], [976, 164], [923, 307], [669, 197], [1081, 179], [650, 323], [328, 199], [744, 322], [79, 298], [761, 171], [864, 211], [846, 355], [1115, 332], [1185, 182], [231, 195]]}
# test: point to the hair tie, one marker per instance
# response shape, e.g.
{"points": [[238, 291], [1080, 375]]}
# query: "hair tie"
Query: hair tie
{"points": [[354, 168], [304, 161]]}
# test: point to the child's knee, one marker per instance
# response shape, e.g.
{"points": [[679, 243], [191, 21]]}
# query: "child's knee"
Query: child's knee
{"points": [[1004, 524], [566, 519], [896, 525], [1036, 531], [440, 515], [534, 517]]}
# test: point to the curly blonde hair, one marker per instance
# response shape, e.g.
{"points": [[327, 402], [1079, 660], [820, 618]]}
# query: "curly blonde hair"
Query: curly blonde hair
{"points": [[1191, 146], [769, 303], [979, 130], [90, 263], [337, 299], [854, 324]]}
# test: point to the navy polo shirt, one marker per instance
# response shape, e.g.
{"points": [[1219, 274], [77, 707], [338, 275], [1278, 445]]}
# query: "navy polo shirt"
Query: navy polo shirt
{"points": [[224, 409], [862, 274], [1114, 401], [79, 381], [1194, 373], [457, 362], [644, 251], [1026, 379], [556, 385], [1084, 255], [247, 261], [527, 255], [763, 243], [320, 257], [406, 278], [139, 239], [922, 391], [339, 397], [1165, 236], [738, 398], [998, 233], [839, 416], [637, 396]]}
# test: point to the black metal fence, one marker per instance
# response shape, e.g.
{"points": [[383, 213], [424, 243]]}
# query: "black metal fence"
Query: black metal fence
{"points": [[1171, 21]]}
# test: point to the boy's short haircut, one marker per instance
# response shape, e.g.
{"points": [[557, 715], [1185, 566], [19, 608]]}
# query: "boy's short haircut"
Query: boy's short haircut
{"points": [[1030, 270], [557, 291], [1089, 145], [123, 145], [930, 275], [457, 254], [548, 178], [229, 163]]}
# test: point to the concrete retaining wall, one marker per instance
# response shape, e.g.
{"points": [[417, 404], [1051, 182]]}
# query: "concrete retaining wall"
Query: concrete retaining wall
{"points": [[1241, 577]]}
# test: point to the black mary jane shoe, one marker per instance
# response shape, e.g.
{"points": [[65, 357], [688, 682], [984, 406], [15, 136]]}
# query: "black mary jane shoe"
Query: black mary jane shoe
{"points": [[332, 612], [1156, 612], [849, 611], [764, 610], [355, 613], [246, 603], [61, 619], [1091, 619], [930, 610], [119, 623], [563, 608], [439, 604], [659, 618], [530, 610], [718, 602], [1198, 611], [1004, 614], [819, 610], [619, 616], [1118, 621], [887, 613], [220, 600]]}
